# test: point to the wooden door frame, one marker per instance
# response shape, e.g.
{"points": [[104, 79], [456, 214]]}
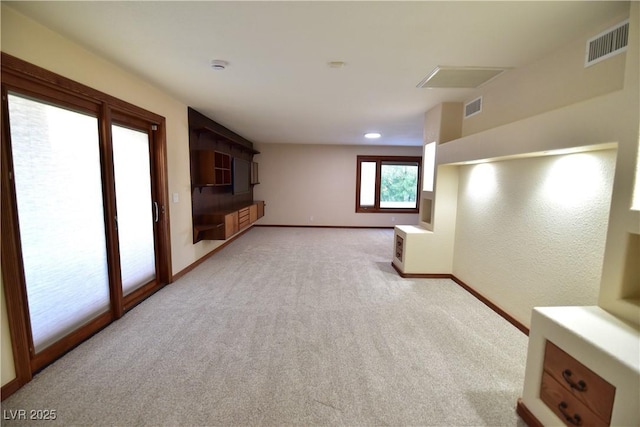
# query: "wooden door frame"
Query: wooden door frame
{"points": [[155, 131], [27, 78]]}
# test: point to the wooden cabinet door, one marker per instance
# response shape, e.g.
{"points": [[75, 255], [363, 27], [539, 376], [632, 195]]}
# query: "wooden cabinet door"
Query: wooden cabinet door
{"points": [[230, 224], [260, 205]]}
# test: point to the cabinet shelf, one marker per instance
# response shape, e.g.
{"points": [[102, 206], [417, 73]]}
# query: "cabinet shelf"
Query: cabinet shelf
{"points": [[225, 139], [221, 225], [200, 229], [213, 168]]}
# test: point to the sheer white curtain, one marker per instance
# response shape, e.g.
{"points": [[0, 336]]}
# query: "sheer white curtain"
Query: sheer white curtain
{"points": [[56, 161]]}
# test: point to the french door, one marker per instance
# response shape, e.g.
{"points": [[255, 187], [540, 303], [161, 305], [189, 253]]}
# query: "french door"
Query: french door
{"points": [[138, 211], [85, 228]]}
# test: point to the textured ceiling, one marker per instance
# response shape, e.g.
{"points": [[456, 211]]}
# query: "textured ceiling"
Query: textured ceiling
{"points": [[278, 86]]}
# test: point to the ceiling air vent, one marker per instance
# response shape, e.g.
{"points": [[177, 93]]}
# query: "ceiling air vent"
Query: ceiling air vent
{"points": [[607, 44], [460, 77], [473, 107]]}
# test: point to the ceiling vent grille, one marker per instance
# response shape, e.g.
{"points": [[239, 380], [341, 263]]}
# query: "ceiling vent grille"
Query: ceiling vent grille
{"points": [[607, 44], [460, 77], [473, 107]]}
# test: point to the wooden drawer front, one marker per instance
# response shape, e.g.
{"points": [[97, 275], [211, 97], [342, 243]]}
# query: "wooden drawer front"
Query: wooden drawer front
{"points": [[243, 218], [260, 205], [565, 405], [580, 381]]}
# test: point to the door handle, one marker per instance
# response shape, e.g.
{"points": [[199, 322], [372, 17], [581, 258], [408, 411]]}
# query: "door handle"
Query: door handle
{"points": [[155, 212]]}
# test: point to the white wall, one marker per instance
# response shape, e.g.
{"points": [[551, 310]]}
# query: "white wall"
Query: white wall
{"points": [[531, 232], [299, 182], [552, 82], [620, 284], [603, 119]]}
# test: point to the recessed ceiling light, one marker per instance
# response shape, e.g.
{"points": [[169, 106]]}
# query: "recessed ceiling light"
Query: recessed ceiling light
{"points": [[372, 135], [219, 64]]}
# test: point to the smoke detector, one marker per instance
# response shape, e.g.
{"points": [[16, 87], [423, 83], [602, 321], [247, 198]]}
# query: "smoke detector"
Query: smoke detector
{"points": [[219, 64]]}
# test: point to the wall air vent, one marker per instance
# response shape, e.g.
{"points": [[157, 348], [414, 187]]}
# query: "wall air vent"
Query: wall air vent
{"points": [[607, 44], [473, 107]]}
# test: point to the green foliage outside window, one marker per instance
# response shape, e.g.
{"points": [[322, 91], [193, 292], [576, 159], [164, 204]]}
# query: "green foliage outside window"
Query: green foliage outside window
{"points": [[398, 183]]}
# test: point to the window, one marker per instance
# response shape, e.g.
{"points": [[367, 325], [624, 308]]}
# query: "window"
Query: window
{"points": [[429, 158], [388, 184]]}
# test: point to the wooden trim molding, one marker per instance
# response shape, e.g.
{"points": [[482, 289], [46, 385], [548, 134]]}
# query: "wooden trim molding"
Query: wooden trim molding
{"points": [[526, 414], [161, 156], [199, 261], [12, 66], [492, 306], [11, 387], [140, 294], [12, 278], [472, 291], [52, 353], [326, 226], [420, 276]]}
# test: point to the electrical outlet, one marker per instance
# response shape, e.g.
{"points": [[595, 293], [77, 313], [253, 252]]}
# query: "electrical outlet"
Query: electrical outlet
{"points": [[311, 219], [393, 219], [176, 197]]}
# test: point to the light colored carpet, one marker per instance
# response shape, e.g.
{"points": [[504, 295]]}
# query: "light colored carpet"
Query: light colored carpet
{"points": [[293, 326]]}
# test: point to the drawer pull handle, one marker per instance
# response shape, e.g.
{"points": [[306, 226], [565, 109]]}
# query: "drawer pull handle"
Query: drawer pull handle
{"points": [[576, 420], [579, 386]]}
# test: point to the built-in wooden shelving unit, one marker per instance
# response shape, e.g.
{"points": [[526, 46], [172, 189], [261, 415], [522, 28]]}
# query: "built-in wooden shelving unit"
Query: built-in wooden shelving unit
{"points": [[219, 209]]}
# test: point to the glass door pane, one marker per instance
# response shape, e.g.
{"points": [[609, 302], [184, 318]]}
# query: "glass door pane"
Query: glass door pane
{"points": [[136, 211], [56, 165]]}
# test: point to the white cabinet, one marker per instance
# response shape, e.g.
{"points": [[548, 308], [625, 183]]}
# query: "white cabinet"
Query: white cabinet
{"points": [[411, 246]]}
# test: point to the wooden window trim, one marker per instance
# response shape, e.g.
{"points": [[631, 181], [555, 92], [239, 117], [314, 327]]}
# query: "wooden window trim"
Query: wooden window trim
{"points": [[379, 160]]}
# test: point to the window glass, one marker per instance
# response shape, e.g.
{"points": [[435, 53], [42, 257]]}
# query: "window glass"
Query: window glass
{"points": [[367, 183], [398, 186], [136, 211]]}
